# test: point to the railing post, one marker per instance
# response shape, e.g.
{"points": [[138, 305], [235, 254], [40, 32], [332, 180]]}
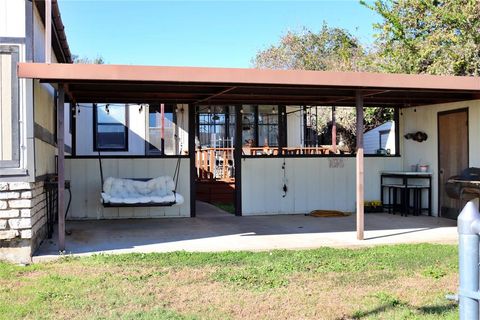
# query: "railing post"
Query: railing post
{"points": [[468, 254]]}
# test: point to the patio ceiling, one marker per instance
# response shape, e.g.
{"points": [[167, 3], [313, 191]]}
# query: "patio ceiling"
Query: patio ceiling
{"points": [[136, 84]]}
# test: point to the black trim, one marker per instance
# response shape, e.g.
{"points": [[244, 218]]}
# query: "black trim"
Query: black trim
{"points": [[282, 128], [12, 40], [95, 131], [352, 155], [396, 119], [237, 159], [439, 114], [191, 154], [137, 205], [43, 134], [127, 156]]}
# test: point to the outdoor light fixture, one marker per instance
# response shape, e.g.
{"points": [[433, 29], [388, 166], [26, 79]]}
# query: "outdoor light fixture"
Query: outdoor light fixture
{"points": [[142, 105], [241, 109], [274, 111]]}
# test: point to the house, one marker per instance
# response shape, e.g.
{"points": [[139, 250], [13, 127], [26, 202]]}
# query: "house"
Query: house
{"points": [[242, 135], [27, 124]]}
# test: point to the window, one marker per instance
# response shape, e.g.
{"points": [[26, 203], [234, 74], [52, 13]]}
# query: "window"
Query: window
{"points": [[267, 126], [161, 131], [110, 125], [216, 126], [9, 108]]}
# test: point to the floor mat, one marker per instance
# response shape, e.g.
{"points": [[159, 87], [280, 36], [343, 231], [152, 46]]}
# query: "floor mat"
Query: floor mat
{"points": [[328, 213]]}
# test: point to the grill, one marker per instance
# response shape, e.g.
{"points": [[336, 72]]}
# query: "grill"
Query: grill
{"points": [[465, 186]]}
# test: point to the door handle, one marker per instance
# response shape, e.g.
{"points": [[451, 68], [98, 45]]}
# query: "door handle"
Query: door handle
{"points": [[442, 171]]}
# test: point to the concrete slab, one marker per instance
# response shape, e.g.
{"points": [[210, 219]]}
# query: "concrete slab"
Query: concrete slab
{"points": [[220, 231]]}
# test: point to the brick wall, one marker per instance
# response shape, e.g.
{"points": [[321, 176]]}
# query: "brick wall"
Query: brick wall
{"points": [[23, 219]]}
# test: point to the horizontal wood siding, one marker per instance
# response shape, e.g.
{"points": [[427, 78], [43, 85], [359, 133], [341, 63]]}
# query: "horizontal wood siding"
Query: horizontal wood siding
{"points": [[84, 175]]}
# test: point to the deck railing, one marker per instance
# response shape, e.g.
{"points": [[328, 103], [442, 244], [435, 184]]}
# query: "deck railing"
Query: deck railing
{"points": [[215, 164], [218, 163]]}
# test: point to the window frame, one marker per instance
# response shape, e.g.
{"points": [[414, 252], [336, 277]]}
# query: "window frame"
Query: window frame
{"points": [[158, 152], [397, 154], [15, 105], [228, 123], [95, 131]]}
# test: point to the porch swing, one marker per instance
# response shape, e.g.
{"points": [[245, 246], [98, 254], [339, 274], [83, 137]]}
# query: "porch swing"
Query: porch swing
{"points": [[140, 192]]}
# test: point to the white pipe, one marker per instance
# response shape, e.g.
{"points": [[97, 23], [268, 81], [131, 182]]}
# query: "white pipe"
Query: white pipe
{"points": [[48, 31]]}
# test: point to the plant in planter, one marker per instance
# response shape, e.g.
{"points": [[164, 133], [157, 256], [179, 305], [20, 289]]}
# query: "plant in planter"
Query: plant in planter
{"points": [[373, 206]]}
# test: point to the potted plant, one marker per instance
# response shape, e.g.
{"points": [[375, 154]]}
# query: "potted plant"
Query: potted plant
{"points": [[373, 206]]}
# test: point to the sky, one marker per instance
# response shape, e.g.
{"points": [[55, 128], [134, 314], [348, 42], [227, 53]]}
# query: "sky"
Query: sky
{"points": [[199, 33]]}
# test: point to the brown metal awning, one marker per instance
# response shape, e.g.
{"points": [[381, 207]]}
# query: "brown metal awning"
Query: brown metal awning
{"points": [[126, 83]]}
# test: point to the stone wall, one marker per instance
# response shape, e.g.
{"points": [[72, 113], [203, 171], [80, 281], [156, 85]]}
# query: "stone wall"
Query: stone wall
{"points": [[23, 220]]}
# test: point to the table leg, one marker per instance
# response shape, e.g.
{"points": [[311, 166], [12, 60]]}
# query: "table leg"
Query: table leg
{"points": [[429, 196]]}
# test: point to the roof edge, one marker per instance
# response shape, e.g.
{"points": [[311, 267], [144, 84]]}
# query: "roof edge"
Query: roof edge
{"points": [[56, 72]]}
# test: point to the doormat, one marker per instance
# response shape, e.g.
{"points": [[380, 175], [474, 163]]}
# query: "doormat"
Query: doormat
{"points": [[328, 213]]}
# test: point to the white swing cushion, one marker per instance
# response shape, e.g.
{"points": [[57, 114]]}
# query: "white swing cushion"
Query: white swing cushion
{"points": [[128, 191]]}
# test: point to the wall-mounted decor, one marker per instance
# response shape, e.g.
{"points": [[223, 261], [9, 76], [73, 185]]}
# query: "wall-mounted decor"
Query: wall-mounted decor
{"points": [[418, 136]]}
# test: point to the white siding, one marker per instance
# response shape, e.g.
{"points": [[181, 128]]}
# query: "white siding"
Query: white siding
{"points": [[372, 140], [66, 119], [84, 175], [39, 40], [425, 119], [294, 127], [137, 130], [12, 18], [311, 183], [44, 102]]}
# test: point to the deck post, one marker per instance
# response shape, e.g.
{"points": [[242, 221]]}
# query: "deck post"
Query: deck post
{"points": [[61, 166], [191, 154], [237, 159], [48, 31], [359, 165], [334, 130]]}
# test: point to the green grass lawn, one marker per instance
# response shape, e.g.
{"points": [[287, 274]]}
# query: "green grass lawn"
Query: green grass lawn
{"points": [[386, 282], [229, 207]]}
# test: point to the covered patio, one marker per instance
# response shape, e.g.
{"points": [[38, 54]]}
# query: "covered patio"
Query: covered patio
{"points": [[193, 86], [216, 230]]}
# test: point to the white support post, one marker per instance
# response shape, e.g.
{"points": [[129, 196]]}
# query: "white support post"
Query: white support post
{"points": [[360, 166], [61, 167], [48, 31]]}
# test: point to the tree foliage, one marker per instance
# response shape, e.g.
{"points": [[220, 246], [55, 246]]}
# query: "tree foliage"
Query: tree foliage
{"points": [[328, 49], [428, 36], [86, 60]]}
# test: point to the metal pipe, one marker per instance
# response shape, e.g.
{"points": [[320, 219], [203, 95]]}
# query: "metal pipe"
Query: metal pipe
{"points": [[468, 255], [48, 31]]}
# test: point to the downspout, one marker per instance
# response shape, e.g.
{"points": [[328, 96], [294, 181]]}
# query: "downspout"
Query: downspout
{"points": [[48, 31]]}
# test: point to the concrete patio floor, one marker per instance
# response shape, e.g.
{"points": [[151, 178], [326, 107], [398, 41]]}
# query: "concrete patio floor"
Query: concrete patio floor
{"points": [[216, 230]]}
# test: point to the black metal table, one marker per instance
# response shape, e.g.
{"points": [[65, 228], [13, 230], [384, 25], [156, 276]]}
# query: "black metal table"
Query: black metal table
{"points": [[407, 176]]}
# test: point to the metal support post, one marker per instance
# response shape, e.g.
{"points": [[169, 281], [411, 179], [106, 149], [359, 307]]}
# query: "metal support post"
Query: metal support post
{"points": [[468, 254]]}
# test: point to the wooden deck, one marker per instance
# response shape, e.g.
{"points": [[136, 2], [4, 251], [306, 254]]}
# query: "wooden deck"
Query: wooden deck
{"points": [[216, 191]]}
